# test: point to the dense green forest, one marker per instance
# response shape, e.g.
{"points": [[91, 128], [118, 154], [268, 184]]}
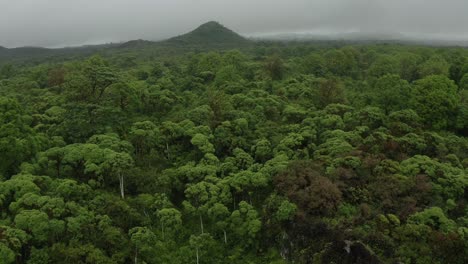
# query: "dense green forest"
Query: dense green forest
{"points": [[236, 152]]}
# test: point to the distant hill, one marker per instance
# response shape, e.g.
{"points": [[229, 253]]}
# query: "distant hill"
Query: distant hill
{"points": [[139, 43], [37, 53], [359, 38], [208, 36], [211, 33], [6, 53]]}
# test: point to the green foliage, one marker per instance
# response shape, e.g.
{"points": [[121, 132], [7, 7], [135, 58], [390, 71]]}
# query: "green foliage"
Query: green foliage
{"points": [[436, 65], [340, 63], [435, 218], [435, 99], [391, 93], [245, 223], [384, 65], [464, 82], [314, 64], [18, 141], [274, 67], [184, 151], [6, 255], [313, 193]]}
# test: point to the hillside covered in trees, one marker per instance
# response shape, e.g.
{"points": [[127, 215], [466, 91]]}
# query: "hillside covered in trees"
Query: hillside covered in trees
{"points": [[212, 148]]}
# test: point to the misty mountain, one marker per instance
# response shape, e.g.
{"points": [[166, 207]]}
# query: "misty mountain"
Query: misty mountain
{"points": [[31, 53], [139, 43], [210, 33], [360, 37], [213, 35]]}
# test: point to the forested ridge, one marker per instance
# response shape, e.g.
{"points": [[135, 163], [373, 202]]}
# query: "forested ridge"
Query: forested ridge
{"points": [[269, 153]]}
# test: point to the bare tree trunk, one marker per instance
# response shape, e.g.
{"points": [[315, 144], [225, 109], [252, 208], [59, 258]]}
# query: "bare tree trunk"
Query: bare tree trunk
{"points": [[59, 164], [136, 255], [225, 237], [167, 150], [162, 230], [201, 223], [121, 180], [198, 261]]}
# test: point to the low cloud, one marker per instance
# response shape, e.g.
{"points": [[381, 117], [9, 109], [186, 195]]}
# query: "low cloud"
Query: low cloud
{"points": [[55, 23]]}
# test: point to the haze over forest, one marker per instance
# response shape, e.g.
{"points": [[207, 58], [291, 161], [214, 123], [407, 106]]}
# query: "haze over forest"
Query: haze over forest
{"points": [[266, 132], [59, 23]]}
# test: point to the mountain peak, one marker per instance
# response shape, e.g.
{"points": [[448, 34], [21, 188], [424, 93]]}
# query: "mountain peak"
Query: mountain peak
{"points": [[210, 33], [211, 25]]}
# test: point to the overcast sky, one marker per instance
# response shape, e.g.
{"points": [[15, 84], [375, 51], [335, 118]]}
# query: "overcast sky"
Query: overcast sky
{"points": [[55, 23]]}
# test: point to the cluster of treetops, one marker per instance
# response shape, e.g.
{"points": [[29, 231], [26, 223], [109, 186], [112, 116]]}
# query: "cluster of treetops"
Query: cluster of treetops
{"points": [[278, 154]]}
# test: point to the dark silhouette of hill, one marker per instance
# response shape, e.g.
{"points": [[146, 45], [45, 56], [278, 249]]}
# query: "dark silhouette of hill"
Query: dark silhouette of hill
{"points": [[207, 36], [211, 33], [28, 53], [139, 43]]}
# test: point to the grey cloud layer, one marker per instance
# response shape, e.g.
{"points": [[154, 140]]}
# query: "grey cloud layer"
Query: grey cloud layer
{"points": [[72, 22]]}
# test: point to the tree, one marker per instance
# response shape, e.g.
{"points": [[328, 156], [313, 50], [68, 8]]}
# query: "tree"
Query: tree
{"points": [[111, 141], [274, 67], [202, 143], [170, 220], [7, 71], [340, 63], [462, 117], [433, 217], [384, 65], [6, 255], [409, 63], [144, 240], [118, 163], [207, 62], [330, 91], [206, 249], [204, 195], [157, 71], [11, 243], [121, 95], [391, 93], [220, 214], [436, 65], [99, 75], [464, 82], [144, 137], [54, 158], [247, 182], [18, 141], [245, 223], [303, 185], [56, 77], [435, 99], [314, 64], [39, 225], [226, 75], [262, 150], [88, 81]]}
